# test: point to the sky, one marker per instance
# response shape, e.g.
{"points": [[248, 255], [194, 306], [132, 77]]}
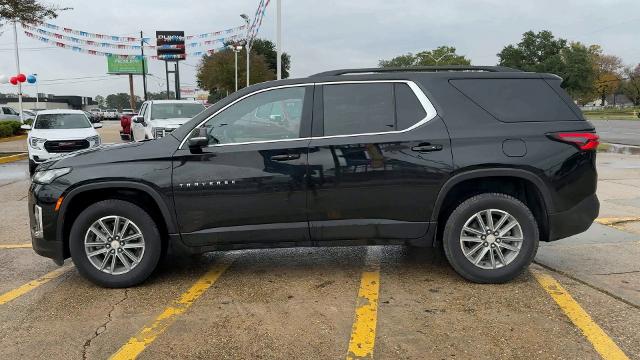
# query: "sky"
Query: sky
{"points": [[319, 35]]}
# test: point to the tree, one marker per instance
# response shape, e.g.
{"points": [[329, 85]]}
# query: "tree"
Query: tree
{"points": [[121, 101], [267, 49], [100, 100], [27, 11], [631, 86], [608, 70], [162, 95], [216, 72], [443, 55], [542, 52], [577, 71]]}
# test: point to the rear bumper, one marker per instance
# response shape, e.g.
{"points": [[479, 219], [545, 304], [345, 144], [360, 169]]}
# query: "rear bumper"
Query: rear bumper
{"points": [[575, 220]]}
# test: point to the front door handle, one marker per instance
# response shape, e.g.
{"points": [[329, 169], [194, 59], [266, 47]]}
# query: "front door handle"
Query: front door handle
{"points": [[285, 157], [426, 147]]}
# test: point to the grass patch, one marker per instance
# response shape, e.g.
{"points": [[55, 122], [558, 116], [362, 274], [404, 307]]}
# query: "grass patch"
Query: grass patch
{"points": [[613, 114]]}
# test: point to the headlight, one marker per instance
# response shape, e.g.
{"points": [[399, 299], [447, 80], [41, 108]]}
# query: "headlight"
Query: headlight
{"points": [[47, 176], [94, 141], [37, 143]]}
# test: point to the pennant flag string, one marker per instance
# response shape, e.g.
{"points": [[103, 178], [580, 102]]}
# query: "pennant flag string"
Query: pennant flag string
{"points": [[82, 50]]}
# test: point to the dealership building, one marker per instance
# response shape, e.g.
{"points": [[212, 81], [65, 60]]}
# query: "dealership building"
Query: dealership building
{"points": [[50, 102]]}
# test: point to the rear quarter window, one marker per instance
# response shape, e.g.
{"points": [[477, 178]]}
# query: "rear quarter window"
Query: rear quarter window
{"points": [[516, 100]]}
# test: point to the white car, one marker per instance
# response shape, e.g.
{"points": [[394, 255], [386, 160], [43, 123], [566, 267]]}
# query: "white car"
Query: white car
{"points": [[7, 113], [159, 117], [110, 114], [58, 132]]}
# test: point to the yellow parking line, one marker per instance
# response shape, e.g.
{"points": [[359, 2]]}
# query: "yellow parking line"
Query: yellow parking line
{"points": [[15, 246], [363, 332], [603, 344], [149, 333], [15, 293], [12, 158]]}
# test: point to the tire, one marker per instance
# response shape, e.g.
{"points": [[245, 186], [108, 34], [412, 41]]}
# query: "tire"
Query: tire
{"points": [[32, 167], [142, 223], [514, 262]]}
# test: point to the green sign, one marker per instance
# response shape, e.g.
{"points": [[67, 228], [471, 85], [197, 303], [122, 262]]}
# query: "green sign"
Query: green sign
{"points": [[126, 65]]}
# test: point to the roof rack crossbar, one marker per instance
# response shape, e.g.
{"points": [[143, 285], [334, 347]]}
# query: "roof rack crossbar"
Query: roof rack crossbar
{"points": [[417, 69]]}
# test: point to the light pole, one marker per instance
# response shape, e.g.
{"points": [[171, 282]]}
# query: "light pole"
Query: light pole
{"points": [[37, 92], [440, 58], [236, 49], [247, 45], [279, 37], [15, 39]]}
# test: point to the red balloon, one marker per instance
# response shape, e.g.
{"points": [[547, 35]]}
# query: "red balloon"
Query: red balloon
{"points": [[14, 80], [21, 78]]}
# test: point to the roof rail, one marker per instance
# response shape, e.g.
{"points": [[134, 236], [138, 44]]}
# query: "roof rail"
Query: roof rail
{"points": [[417, 69]]}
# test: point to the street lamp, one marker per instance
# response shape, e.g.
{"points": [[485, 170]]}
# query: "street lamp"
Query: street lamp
{"points": [[236, 49], [247, 45]]}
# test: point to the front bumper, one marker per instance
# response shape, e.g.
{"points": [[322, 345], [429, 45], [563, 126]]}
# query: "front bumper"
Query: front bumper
{"points": [[43, 220], [575, 220]]}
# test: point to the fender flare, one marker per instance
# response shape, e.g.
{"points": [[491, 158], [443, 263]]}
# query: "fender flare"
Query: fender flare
{"points": [[157, 198], [492, 172]]}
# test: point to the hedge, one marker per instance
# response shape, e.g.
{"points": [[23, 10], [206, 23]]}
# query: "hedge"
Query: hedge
{"points": [[9, 128]]}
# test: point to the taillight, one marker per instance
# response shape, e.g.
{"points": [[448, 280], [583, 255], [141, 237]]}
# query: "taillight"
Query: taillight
{"points": [[583, 140]]}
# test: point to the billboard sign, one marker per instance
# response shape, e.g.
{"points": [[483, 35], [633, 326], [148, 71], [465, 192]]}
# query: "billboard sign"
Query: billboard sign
{"points": [[170, 45], [125, 65]]}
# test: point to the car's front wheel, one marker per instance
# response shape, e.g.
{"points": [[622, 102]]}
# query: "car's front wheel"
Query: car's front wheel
{"points": [[115, 243], [491, 238]]}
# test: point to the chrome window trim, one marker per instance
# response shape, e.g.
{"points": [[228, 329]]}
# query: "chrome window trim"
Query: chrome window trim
{"points": [[422, 98]]}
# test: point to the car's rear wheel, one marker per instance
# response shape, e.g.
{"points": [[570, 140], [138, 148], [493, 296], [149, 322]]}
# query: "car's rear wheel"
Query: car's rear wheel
{"points": [[491, 238], [115, 243]]}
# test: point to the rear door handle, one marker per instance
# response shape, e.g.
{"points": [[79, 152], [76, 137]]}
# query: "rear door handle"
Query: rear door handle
{"points": [[285, 157], [426, 147]]}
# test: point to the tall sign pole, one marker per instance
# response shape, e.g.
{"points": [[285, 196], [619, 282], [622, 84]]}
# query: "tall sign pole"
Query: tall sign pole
{"points": [[171, 47], [144, 67], [15, 40], [279, 37]]}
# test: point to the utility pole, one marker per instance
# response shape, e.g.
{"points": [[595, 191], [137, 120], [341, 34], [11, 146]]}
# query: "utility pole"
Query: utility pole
{"points": [[132, 100], [247, 42], [15, 39], [279, 37], [236, 49], [144, 67]]}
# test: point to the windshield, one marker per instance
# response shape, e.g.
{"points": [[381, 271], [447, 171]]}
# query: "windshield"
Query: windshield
{"points": [[110, 110], [174, 111], [62, 121]]}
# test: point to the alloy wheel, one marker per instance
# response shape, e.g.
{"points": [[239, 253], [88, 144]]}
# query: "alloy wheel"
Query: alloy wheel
{"points": [[114, 244], [491, 239]]}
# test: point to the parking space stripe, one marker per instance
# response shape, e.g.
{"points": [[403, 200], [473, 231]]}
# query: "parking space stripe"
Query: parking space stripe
{"points": [[15, 293], [363, 332], [603, 344], [15, 246], [149, 333]]}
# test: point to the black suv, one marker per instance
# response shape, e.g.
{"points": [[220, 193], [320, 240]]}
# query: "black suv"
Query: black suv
{"points": [[485, 161]]}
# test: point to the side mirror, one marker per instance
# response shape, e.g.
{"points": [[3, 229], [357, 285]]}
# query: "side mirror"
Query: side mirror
{"points": [[97, 126], [197, 143], [25, 127], [138, 119]]}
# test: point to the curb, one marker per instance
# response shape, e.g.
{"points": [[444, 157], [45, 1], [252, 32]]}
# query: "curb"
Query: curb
{"points": [[13, 138], [619, 148], [12, 158]]}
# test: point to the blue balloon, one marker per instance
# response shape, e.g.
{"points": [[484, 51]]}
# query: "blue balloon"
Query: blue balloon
{"points": [[31, 79]]}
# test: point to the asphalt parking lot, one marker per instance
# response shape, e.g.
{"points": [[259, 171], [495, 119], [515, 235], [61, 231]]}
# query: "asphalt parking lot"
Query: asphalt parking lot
{"points": [[580, 300]]}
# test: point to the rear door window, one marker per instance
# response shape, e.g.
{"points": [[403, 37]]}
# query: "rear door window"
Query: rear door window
{"points": [[358, 108], [516, 100], [409, 110]]}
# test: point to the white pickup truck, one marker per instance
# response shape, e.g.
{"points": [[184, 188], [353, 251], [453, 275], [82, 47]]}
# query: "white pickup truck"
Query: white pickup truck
{"points": [[160, 117]]}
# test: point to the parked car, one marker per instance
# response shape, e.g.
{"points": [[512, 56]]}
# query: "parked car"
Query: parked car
{"points": [[7, 113], [110, 114], [57, 132], [483, 161], [125, 124], [125, 111], [160, 117], [97, 113], [92, 117], [28, 115]]}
